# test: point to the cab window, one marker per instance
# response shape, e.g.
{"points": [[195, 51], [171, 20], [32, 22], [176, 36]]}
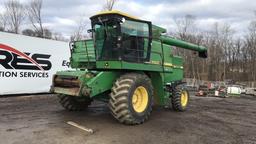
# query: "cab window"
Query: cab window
{"points": [[135, 40]]}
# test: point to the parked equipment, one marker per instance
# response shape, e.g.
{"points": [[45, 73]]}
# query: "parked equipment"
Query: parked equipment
{"points": [[202, 90], [234, 90], [130, 64], [250, 91]]}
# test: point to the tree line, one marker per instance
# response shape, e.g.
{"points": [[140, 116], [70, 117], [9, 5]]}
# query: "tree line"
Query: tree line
{"points": [[231, 56]]}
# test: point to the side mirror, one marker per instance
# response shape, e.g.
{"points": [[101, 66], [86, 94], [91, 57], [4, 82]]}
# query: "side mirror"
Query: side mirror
{"points": [[90, 30], [203, 54], [121, 20]]}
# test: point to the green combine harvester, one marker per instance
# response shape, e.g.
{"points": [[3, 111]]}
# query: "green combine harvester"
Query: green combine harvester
{"points": [[129, 64]]}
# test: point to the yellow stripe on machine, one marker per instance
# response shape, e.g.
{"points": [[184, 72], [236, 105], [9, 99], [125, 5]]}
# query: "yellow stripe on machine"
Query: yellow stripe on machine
{"points": [[165, 64], [172, 65]]}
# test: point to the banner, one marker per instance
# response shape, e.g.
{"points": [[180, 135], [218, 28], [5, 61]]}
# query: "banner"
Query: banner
{"points": [[27, 64]]}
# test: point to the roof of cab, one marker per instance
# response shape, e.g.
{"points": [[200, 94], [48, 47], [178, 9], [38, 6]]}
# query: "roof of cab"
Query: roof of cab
{"points": [[116, 12]]}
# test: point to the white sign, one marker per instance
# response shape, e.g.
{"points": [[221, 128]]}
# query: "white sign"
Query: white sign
{"points": [[27, 64]]}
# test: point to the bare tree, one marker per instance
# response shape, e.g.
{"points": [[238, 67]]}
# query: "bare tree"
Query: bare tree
{"points": [[185, 26], [186, 30], [35, 16], [80, 32], [48, 34], [250, 48], [15, 14], [29, 32], [109, 5], [59, 37], [3, 22]]}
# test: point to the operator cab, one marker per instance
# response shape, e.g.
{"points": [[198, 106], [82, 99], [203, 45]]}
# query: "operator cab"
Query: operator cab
{"points": [[120, 37]]}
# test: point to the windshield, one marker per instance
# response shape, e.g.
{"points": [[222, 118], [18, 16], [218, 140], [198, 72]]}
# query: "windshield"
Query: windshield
{"points": [[134, 28], [105, 37], [135, 41]]}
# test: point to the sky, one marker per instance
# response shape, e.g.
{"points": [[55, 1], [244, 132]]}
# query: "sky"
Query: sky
{"points": [[64, 16]]}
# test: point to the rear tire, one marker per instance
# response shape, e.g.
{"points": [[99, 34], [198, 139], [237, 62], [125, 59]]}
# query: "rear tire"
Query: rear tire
{"points": [[131, 99], [72, 103], [180, 99]]}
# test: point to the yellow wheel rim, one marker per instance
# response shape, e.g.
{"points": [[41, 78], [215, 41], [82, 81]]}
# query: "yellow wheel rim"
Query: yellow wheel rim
{"points": [[184, 98], [140, 99]]}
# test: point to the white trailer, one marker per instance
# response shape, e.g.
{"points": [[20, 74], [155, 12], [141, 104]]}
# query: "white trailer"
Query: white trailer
{"points": [[28, 63]]}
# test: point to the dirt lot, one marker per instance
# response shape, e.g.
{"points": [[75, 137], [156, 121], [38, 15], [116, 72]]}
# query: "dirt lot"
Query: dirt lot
{"points": [[40, 120]]}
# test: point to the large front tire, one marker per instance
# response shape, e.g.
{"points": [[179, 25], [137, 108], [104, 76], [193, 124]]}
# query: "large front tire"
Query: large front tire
{"points": [[72, 103], [131, 99]]}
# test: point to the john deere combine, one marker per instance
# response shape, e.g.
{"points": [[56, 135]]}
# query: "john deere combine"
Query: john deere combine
{"points": [[129, 63]]}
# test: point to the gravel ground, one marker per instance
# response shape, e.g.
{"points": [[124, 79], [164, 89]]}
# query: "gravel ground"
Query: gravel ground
{"points": [[40, 119]]}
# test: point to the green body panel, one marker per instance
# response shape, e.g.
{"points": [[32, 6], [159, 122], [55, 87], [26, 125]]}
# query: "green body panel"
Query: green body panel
{"points": [[102, 82], [111, 65], [157, 31], [83, 54], [74, 73], [108, 64], [160, 95]]}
